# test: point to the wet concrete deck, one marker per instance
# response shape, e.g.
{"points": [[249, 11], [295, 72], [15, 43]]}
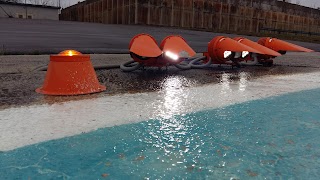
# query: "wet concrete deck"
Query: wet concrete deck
{"points": [[28, 125], [19, 77]]}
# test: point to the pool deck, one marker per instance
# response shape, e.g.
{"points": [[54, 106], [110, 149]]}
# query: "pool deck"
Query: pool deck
{"points": [[141, 95]]}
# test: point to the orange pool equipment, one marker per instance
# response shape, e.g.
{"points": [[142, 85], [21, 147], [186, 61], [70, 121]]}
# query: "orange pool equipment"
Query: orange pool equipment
{"points": [[145, 52], [265, 57], [223, 50], [70, 73], [281, 46]]}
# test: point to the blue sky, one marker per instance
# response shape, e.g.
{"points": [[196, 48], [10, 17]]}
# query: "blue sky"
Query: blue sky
{"points": [[309, 3]]}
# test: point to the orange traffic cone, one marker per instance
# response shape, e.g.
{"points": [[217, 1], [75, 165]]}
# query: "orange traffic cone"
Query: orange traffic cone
{"points": [[264, 50], [70, 73], [220, 48], [281, 46], [176, 45], [144, 45]]}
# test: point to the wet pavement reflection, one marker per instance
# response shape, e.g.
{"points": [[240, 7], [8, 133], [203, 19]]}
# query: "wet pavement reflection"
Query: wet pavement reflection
{"points": [[175, 95], [18, 89]]}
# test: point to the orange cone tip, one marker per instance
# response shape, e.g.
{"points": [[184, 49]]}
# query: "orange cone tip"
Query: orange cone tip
{"points": [[70, 73]]}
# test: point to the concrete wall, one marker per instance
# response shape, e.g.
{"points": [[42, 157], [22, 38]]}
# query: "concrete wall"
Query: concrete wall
{"points": [[34, 12], [227, 15]]}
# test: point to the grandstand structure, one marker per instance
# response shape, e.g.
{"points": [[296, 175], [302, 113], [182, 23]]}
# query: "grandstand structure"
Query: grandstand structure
{"points": [[212, 15]]}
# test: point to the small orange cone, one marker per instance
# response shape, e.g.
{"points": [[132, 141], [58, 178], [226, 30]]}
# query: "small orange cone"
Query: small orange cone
{"points": [[220, 44], [177, 45], [264, 50], [281, 46], [144, 45], [70, 73]]}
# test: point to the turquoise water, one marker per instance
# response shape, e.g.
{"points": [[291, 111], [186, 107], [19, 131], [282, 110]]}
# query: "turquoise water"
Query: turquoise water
{"points": [[273, 138]]}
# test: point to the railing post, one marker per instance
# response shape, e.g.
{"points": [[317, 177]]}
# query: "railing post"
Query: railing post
{"points": [[136, 12], [148, 20], [220, 18], [161, 14], [192, 20], [123, 12], [102, 16], [202, 15], [172, 13], [117, 10], [129, 14], [182, 14]]}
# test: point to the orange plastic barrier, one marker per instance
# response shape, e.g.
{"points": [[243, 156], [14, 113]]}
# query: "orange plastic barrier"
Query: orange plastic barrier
{"points": [[177, 45], [220, 44], [264, 50], [281, 46], [144, 45], [70, 73]]}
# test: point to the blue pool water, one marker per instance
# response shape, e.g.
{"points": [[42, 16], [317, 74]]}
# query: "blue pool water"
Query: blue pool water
{"points": [[273, 138]]}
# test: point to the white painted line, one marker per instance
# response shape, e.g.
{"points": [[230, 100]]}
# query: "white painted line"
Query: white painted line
{"points": [[28, 125]]}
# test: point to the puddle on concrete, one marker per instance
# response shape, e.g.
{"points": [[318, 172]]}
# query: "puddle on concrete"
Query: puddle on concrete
{"points": [[17, 83]]}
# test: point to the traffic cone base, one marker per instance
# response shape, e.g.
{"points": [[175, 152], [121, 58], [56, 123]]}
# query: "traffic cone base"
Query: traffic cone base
{"points": [[70, 75]]}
